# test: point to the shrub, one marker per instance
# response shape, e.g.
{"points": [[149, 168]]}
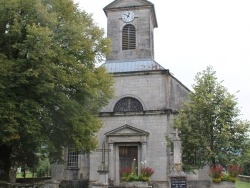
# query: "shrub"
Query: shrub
{"points": [[125, 172], [145, 174], [234, 170], [129, 173], [225, 177], [216, 172]]}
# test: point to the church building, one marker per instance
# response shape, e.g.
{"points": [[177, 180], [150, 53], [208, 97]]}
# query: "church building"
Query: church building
{"points": [[140, 116]]}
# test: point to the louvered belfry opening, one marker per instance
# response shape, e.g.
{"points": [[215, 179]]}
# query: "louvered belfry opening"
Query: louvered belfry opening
{"points": [[128, 37]]}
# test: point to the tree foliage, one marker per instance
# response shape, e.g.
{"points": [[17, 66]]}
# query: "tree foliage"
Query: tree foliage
{"points": [[243, 160], [211, 130], [50, 88]]}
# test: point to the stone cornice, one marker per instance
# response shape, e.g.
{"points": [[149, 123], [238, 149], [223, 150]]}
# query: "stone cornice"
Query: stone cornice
{"points": [[141, 113]]}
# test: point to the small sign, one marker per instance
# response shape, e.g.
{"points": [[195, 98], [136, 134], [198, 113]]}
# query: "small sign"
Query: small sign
{"points": [[178, 182]]}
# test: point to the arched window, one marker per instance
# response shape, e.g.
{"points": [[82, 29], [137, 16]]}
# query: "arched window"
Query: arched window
{"points": [[128, 104], [128, 37]]}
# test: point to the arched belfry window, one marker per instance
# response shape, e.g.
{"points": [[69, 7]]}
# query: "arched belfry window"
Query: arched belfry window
{"points": [[128, 37], [128, 104]]}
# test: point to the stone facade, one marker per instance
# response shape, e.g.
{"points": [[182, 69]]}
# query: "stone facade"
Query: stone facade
{"points": [[157, 95], [64, 172], [160, 94]]}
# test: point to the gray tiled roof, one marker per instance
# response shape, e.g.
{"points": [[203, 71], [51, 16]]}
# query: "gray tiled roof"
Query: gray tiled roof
{"points": [[132, 66]]}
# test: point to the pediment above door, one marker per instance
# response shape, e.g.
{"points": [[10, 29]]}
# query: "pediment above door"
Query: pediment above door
{"points": [[127, 133]]}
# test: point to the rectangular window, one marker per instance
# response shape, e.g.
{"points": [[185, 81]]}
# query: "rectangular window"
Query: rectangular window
{"points": [[72, 159]]}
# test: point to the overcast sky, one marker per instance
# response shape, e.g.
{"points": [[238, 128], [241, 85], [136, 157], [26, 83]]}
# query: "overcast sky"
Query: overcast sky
{"points": [[193, 34]]}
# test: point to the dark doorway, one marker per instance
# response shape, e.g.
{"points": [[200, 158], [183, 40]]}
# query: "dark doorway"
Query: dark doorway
{"points": [[127, 154]]}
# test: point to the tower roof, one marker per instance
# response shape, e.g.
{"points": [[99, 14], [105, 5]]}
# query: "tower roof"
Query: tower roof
{"points": [[132, 66], [127, 4]]}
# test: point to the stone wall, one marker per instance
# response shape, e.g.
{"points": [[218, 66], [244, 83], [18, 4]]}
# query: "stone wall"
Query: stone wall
{"points": [[244, 178], [155, 90], [156, 156], [158, 92], [31, 180], [45, 184], [17, 185], [198, 184], [6, 185], [74, 184]]}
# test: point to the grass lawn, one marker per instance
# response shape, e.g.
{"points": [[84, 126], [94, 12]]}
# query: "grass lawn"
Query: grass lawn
{"points": [[28, 175], [240, 184]]}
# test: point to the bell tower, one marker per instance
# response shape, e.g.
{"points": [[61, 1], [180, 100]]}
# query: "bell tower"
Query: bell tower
{"points": [[130, 27]]}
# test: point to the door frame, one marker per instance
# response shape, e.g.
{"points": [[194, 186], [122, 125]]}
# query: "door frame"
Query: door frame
{"points": [[117, 161], [124, 135]]}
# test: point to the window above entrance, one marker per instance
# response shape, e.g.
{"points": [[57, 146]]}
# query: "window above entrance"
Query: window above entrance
{"points": [[128, 104]]}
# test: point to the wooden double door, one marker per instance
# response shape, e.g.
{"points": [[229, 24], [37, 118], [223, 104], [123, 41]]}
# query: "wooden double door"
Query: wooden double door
{"points": [[127, 156]]}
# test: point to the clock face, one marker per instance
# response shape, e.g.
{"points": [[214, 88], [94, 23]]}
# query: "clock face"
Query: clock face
{"points": [[128, 16]]}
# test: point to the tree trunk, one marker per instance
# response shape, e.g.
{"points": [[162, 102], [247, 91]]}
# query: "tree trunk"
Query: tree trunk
{"points": [[12, 174], [5, 162]]}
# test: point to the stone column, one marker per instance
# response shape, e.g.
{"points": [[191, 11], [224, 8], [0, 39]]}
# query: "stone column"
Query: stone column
{"points": [[111, 163], [178, 178], [177, 152], [143, 152]]}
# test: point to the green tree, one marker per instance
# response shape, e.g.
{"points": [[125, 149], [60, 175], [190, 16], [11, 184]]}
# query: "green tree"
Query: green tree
{"points": [[50, 88], [243, 160], [43, 168], [211, 130]]}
